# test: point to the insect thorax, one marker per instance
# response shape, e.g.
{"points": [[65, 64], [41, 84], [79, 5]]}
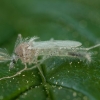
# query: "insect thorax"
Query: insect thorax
{"points": [[26, 55]]}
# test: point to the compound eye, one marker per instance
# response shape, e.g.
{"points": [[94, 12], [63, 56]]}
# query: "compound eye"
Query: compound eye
{"points": [[13, 61]]}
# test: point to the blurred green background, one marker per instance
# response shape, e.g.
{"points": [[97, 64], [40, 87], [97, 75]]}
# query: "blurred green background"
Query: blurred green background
{"points": [[59, 19]]}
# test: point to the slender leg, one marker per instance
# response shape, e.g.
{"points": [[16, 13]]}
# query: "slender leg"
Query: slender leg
{"points": [[41, 73], [18, 73], [25, 68], [31, 68], [38, 62], [39, 68]]}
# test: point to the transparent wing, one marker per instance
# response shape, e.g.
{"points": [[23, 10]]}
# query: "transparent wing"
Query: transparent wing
{"points": [[4, 56], [19, 40], [56, 44]]}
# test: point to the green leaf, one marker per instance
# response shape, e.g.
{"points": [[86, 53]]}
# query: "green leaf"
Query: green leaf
{"points": [[66, 79]]}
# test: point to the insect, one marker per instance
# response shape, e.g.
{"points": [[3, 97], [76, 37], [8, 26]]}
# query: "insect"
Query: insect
{"points": [[28, 50]]}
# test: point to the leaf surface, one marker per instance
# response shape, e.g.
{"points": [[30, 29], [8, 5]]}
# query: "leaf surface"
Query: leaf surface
{"points": [[66, 79]]}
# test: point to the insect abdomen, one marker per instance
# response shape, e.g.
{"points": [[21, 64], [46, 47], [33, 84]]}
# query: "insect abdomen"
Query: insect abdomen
{"points": [[83, 55]]}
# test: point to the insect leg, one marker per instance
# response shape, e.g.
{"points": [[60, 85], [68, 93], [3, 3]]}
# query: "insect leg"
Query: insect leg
{"points": [[18, 73], [38, 62]]}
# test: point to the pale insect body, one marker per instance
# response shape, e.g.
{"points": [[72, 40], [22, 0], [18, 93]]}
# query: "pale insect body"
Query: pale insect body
{"points": [[60, 48], [54, 47], [28, 50]]}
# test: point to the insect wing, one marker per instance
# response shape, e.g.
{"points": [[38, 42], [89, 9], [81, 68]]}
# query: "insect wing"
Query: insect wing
{"points": [[56, 44]]}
